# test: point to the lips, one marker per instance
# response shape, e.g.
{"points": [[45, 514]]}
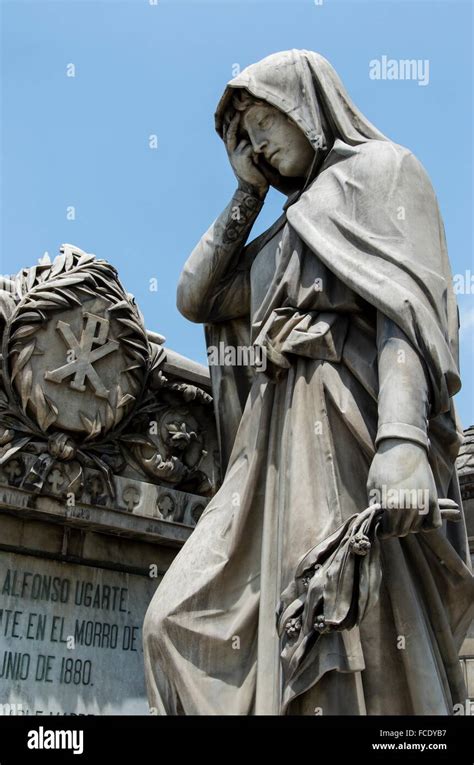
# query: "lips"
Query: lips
{"points": [[272, 156]]}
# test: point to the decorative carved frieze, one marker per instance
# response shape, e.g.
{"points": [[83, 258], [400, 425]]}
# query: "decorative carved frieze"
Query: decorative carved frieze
{"points": [[86, 411]]}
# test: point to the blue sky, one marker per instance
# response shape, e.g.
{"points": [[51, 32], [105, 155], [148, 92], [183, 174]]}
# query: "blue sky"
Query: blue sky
{"points": [[143, 69]]}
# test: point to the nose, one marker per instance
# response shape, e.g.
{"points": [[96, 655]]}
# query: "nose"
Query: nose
{"points": [[258, 141], [259, 146]]}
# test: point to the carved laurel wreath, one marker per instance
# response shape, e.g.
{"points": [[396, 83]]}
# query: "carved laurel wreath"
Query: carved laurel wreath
{"points": [[39, 291], [46, 288]]}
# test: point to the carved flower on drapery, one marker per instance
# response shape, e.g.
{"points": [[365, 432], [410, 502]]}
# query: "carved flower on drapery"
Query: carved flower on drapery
{"points": [[293, 627], [359, 544], [320, 625]]}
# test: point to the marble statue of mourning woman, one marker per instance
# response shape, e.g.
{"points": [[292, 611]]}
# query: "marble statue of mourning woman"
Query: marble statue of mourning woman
{"points": [[347, 297]]}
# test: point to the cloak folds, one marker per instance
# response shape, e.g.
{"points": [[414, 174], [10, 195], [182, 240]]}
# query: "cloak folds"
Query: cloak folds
{"points": [[367, 228], [379, 231]]}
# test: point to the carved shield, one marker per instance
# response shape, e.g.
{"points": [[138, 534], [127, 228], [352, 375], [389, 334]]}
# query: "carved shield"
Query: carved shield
{"points": [[76, 346]]}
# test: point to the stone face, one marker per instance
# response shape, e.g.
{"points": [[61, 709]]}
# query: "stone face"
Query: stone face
{"points": [[70, 637], [348, 299]]}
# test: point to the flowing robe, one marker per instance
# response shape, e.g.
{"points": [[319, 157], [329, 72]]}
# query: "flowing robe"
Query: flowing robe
{"points": [[323, 293]]}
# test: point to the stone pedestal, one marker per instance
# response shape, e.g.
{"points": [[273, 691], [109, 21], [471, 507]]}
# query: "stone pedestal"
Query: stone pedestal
{"points": [[74, 590]]}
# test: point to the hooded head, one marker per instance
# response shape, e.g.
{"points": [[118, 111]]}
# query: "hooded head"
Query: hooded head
{"points": [[306, 89]]}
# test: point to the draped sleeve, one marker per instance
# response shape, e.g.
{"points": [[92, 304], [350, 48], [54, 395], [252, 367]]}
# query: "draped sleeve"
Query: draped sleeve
{"points": [[214, 283]]}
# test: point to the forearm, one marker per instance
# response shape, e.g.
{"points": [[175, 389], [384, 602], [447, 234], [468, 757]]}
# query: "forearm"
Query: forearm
{"points": [[400, 478], [404, 393], [216, 254]]}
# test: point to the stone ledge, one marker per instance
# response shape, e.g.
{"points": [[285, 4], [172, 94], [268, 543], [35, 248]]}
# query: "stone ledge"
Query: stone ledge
{"points": [[106, 520], [187, 370]]}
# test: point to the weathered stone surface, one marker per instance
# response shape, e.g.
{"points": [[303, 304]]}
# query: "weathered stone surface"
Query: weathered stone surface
{"points": [[128, 495], [79, 353], [70, 638], [108, 456], [465, 466], [348, 300], [96, 518], [83, 387]]}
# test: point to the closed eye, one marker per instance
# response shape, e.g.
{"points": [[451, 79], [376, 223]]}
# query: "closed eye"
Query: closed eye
{"points": [[265, 122]]}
